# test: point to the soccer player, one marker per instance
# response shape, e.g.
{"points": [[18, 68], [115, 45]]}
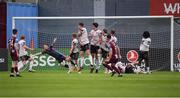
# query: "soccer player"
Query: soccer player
{"points": [[129, 68], [94, 45], [23, 54], [144, 50], [74, 52], [14, 54], [103, 51], [84, 46], [57, 55], [114, 39], [112, 58]]}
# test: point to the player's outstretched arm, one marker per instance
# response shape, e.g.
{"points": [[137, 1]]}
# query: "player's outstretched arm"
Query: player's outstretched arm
{"points": [[26, 47]]}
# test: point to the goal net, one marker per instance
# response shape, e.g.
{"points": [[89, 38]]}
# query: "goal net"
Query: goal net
{"points": [[164, 35]]}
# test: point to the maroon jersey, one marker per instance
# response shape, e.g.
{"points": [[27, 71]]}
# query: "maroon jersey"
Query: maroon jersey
{"points": [[12, 48], [114, 52]]}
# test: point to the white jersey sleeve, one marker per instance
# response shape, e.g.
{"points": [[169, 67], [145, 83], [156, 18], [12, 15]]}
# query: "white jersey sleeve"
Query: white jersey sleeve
{"points": [[114, 39], [145, 44], [83, 39], [22, 50]]}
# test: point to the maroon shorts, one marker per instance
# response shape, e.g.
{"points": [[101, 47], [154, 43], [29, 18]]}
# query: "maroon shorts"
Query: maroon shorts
{"points": [[14, 55], [113, 60]]}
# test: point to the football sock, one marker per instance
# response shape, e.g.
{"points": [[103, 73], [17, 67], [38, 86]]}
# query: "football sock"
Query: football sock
{"points": [[116, 69], [69, 65], [30, 67], [148, 69], [82, 61], [20, 65], [66, 65], [73, 63], [120, 69], [16, 70], [12, 70], [97, 64], [99, 57], [138, 68], [108, 67], [91, 60]]}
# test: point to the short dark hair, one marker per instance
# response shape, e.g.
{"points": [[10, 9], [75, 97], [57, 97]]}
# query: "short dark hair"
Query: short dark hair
{"points": [[95, 24], [105, 31], [109, 36], [81, 24], [15, 31], [74, 35], [113, 32], [146, 34]]}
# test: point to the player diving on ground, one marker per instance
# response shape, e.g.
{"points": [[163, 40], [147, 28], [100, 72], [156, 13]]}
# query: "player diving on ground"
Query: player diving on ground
{"points": [[58, 56]]}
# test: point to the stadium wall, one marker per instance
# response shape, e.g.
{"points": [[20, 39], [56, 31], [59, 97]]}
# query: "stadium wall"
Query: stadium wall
{"points": [[27, 27], [3, 50], [3, 16]]}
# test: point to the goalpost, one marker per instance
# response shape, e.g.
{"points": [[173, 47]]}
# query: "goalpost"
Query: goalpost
{"points": [[114, 22]]}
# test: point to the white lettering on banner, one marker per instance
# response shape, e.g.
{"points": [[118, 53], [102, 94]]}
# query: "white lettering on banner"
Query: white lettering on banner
{"points": [[170, 8], [2, 60], [51, 61], [87, 61], [42, 61], [177, 66]]}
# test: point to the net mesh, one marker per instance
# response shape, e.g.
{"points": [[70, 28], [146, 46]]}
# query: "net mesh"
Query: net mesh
{"points": [[128, 32], [177, 44]]}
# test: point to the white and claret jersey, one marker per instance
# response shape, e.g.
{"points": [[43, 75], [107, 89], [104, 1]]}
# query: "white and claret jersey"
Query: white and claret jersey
{"points": [[22, 50], [83, 39], [12, 44], [145, 44], [114, 39], [95, 34], [75, 42]]}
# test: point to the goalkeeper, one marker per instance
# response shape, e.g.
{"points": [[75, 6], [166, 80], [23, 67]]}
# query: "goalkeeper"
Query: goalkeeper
{"points": [[58, 56]]}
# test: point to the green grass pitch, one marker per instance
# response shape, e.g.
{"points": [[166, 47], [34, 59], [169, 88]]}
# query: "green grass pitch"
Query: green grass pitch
{"points": [[54, 83]]}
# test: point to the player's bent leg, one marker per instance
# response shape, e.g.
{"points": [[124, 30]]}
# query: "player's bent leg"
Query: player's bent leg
{"points": [[15, 63], [93, 61], [12, 70], [107, 66], [119, 65], [31, 66], [99, 56], [71, 67], [146, 60], [20, 65], [81, 61], [116, 70], [97, 64], [74, 58], [90, 57]]}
